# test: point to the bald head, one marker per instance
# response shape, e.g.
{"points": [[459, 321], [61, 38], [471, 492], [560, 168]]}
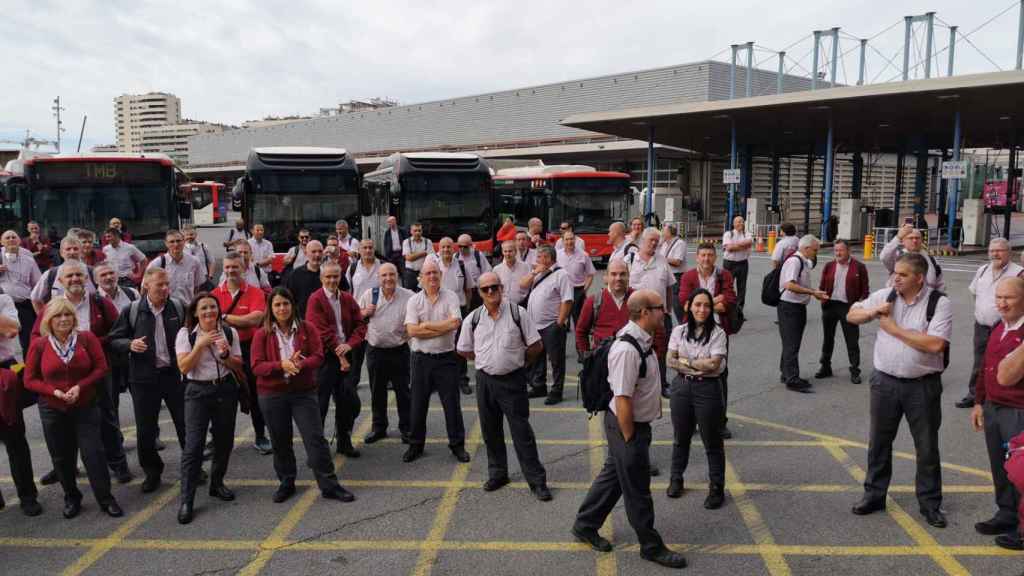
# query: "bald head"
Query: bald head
{"points": [[645, 310], [1010, 299], [488, 278], [616, 277]]}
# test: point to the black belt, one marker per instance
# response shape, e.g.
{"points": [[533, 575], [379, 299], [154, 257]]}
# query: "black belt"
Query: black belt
{"points": [[512, 374], [8, 363], [915, 379], [206, 382], [689, 378], [434, 354]]}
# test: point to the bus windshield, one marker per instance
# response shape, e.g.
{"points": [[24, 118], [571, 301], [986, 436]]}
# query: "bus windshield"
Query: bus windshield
{"points": [[447, 204], [591, 204], [145, 209], [285, 202]]}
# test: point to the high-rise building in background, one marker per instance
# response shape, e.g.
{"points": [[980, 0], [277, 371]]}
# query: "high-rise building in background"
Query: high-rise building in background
{"points": [[134, 112], [172, 139]]}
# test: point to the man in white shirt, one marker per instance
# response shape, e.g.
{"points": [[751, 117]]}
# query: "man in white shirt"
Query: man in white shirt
{"points": [[560, 243], [621, 246], [909, 239], [736, 245], [252, 274], [475, 264], [392, 243], [346, 241], [185, 272], [432, 319], [986, 316], [578, 267], [524, 251], [797, 290], [786, 245], [200, 251], [124, 257], [415, 250], [295, 258], [673, 249], [455, 277], [549, 304], [511, 271], [239, 232], [362, 274], [19, 273], [262, 249]]}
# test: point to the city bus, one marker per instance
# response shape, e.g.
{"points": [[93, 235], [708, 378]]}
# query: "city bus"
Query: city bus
{"points": [[86, 190], [209, 202], [286, 188], [450, 194], [589, 199]]}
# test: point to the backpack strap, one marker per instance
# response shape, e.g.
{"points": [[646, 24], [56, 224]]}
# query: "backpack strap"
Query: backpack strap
{"points": [[891, 297], [514, 310], [133, 315], [131, 293], [598, 298], [462, 267], [352, 269], [640, 350], [933, 302], [938, 269], [476, 256], [163, 261]]}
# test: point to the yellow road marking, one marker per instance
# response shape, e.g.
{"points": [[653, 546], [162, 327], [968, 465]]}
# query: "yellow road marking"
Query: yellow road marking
{"points": [[755, 523], [445, 509], [916, 532]]}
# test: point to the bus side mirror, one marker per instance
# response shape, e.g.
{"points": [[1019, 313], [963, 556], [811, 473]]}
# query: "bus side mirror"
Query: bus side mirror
{"points": [[10, 191], [365, 208], [239, 192]]}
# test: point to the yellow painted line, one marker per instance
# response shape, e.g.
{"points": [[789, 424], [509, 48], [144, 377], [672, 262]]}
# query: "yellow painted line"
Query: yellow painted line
{"points": [[755, 523], [602, 442], [916, 532], [446, 508], [276, 539], [607, 565]]}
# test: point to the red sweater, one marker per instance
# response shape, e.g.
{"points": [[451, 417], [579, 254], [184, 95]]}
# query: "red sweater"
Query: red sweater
{"points": [[320, 314], [857, 287], [610, 320], [266, 361], [690, 281], [102, 315], [998, 348], [45, 372]]}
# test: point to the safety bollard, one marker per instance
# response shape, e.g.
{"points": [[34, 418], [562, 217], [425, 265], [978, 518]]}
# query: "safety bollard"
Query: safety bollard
{"points": [[759, 246], [869, 246], [771, 242]]}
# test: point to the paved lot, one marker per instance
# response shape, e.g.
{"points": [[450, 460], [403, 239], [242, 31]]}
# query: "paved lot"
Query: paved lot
{"points": [[794, 470]]}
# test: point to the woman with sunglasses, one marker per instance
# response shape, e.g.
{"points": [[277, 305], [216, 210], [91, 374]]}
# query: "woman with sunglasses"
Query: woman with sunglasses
{"points": [[697, 350], [286, 353]]}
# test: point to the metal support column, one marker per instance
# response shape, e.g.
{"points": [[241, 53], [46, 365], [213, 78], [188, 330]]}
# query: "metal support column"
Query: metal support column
{"points": [[750, 69], [651, 167], [920, 183], [952, 49], [930, 19], [863, 49], [835, 57], [807, 190], [857, 183], [954, 185], [782, 71], [1011, 185], [775, 183], [909, 23], [732, 164], [897, 196], [826, 215], [943, 192], [814, 61], [747, 178], [732, 73]]}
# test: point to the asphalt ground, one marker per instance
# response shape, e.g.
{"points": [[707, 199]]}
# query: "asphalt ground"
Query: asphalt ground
{"points": [[795, 468]]}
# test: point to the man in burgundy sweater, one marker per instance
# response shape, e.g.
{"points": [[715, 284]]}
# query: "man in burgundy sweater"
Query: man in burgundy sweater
{"points": [[999, 407], [845, 280]]}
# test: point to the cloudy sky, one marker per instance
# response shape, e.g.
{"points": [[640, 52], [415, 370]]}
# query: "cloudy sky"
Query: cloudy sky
{"points": [[240, 60]]}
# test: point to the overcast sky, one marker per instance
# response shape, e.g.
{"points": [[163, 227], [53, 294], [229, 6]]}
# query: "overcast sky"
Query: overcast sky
{"points": [[240, 60]]}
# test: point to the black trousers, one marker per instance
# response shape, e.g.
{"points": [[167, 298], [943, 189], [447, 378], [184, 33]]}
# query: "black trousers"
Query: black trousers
{"points": [[166, 387], [67, 434], [19, 455], [918, 400], [698, 401], [27, 319], [579, 294], [626, 474], [677, 306], [430, 373], [341, 386], [981, 334], [792, 321], [505, 396], [259, 425], [833, 313], [411, 279], [1001, 424], [214, 407], [462, 362], [739, 270], [303, 409], [553, 337], [384, 366], [110, 424]]}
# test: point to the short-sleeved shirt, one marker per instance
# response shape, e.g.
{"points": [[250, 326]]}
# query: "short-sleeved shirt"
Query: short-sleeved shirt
{"points": [[472, 269], [386, 328], [201, 252], [10, 348], [349, 243], [298, 256], [413, 246], [21, 275], [717, 345], [577, 265], [734, 237], [252, 299], [784, 247], [580, 244], [420, 309], [674, 249], [123, 258], [510, 277], [623, 250], [261, 250], [791, 272], [259, 279], [624, 374], [209, 366], [530, 258], [363, 278], [120, 297], [185, 276], [452, 278], [984, 289], [653, 274], [892, 355], [39, 291], [549, 291], [497, 344]]}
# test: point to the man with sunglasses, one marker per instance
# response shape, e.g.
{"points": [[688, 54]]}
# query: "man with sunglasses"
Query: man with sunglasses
{"points": [[500, 338], [295, 258]]}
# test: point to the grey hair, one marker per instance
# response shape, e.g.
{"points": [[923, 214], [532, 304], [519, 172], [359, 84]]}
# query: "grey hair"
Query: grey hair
{"points": [[808, 240]]}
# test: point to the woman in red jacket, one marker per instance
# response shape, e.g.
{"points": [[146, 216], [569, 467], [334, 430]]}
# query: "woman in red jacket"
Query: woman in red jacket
{"points": [[286, 353], [64, 366]]}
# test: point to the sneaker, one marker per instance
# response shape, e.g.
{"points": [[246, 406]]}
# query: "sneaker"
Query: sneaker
{"points": [[263, 446], [823, 372]]}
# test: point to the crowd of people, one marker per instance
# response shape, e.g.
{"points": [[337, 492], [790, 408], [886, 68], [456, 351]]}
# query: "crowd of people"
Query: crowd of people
{"points": [[279, 345]]}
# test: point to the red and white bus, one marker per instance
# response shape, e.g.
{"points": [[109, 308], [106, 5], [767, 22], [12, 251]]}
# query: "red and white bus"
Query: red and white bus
{"points": [[589, 199], [210, 202]]}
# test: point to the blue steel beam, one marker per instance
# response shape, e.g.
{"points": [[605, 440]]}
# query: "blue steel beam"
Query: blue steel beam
{"points": [[954, 185], [732, 165], [829, 161], [651, 167]]}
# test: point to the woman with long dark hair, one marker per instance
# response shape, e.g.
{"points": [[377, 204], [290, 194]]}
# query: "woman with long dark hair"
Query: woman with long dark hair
{"points": [[209, 356], [286, 353], [697, 350]]}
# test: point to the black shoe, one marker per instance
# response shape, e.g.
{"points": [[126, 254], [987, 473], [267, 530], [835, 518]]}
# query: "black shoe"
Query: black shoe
{"points": [[31, 507], [340, 494], [208, 450], [855, 377], [160, 446], [283, 492], [405, 438], [1010, 541], [222, 492], [541, 492], [799, 385], [49, 478], [203, 476], [539, 392], [124, 475], [934, 517], [72, 507], [414, 452], [185, 513], [994, 527], [466, 390], [665, 393], [112, 509], [552, 399], [823, 372], [493, 484], [966, 402], [375, 436], [666, 558], [675, 488], [591, 537], [263, 446], [150, 484], [348, 450], [715, 499], [460, 454], [654, 470], [867, 505], [726, 433]]}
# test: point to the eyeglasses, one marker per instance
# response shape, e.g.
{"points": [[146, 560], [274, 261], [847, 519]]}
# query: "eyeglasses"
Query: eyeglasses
{"points": [[461, 247], [303, 237], [491, 288]]}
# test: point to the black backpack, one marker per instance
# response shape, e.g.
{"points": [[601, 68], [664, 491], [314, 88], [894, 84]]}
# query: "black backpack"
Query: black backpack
{"points": [[771, 295], [929, 313], [512, 308], [596, 391]]}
